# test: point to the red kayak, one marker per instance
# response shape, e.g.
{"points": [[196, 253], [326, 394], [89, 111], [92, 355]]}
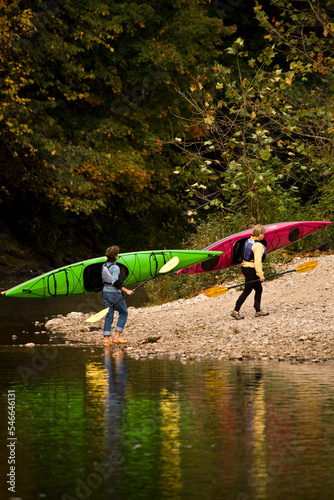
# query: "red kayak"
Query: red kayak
{"points": [[277, 236]]}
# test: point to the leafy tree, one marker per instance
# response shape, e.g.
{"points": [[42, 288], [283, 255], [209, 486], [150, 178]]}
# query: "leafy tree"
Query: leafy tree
{"points": [[304, 34], [85, 106], [266, 133]]}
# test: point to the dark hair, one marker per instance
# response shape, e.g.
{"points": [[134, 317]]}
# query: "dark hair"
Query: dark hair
{"points": [[111, 253]]}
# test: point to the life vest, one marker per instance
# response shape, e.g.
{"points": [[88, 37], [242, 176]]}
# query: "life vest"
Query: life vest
{"points": [[106, 275], [247, 252]]}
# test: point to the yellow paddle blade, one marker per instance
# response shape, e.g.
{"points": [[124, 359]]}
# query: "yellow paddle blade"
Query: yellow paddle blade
{"points": [[170, 265], [215, 291], [98, 316], [307, 266]]}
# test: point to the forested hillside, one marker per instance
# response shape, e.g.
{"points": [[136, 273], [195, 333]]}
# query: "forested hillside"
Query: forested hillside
{"points": [[129, 122]]}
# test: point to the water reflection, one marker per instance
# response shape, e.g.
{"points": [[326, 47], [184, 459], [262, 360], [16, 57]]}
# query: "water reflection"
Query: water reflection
{"points": [[94, 424], [115, 383], [171, 477], [257, 440]]}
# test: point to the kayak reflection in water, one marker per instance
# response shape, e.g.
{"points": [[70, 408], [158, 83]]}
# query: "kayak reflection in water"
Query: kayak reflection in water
{"points": [[112, 292]]}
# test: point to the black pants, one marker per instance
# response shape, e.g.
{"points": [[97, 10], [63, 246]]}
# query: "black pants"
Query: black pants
{"points": [[250, 276]]}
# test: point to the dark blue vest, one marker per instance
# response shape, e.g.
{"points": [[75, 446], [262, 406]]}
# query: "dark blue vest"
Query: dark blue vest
{"points": [[247, 253]]}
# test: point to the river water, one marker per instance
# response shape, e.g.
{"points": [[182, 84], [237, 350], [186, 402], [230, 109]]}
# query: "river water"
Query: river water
{"points": [[90, 423]]}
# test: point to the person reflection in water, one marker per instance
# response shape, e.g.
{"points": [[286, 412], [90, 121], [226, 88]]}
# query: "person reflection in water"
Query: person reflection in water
{"points": [[116, 375], [112, 292]]}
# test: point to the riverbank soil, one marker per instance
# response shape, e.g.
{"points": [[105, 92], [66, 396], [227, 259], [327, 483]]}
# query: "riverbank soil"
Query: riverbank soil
{"points": [[299, 328]]}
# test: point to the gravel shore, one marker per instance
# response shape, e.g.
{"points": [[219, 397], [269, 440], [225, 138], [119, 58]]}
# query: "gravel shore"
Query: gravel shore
{"points": [[299, 328]]}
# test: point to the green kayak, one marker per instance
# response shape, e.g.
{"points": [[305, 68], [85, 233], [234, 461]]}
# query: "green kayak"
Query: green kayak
{"points": [[85, 277]]}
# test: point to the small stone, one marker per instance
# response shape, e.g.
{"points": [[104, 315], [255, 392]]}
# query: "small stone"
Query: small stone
{"points": [[235, 356]]}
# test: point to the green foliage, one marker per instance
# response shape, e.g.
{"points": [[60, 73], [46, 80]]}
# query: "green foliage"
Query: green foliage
{"points": [[304, 34], [91, 92], [252, 146], [87, 95], [215, 227], [266, 121]]}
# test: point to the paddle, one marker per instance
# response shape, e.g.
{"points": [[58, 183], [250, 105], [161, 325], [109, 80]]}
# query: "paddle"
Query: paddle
{"points": [[171, 264], [219, 290]]}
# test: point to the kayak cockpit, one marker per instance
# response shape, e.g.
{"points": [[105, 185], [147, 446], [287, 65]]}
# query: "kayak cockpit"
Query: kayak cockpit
{"points": [[92, 276], [238, 247]]}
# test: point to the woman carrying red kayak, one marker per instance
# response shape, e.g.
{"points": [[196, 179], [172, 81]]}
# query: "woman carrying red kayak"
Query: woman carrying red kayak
{"points": [[254, 253]]}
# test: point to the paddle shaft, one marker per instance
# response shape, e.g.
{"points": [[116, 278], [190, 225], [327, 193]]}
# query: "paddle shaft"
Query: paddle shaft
{"points": [[267, 277], [141, 284]]}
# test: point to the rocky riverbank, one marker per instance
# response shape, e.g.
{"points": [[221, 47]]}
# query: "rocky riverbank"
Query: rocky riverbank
{"points": [[299, 328]]}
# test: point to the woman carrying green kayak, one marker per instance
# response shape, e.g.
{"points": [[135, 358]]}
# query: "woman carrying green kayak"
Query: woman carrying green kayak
{"points": [[112, 293]]}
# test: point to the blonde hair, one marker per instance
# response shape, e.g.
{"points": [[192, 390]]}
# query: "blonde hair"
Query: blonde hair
{"points": [[111, 253], [258, 229]]}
